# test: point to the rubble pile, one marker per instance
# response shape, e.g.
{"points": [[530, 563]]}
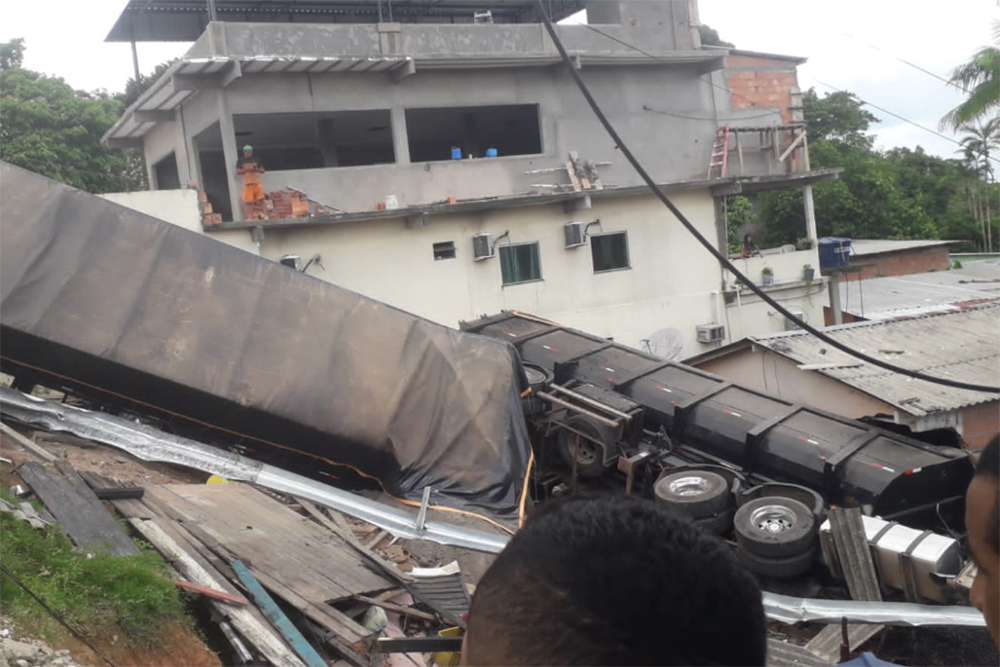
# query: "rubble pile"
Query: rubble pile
{"points": [[32, 653]]}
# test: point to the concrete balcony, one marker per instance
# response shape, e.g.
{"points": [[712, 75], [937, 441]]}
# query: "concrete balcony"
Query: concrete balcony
{"points": [[787, 267]]}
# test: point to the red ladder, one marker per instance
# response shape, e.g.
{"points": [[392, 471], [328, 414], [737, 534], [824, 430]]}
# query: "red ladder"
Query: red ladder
{"points": [[720, 152]]}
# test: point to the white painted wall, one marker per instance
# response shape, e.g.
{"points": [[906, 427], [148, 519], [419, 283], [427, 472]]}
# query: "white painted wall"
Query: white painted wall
{"points": [[669, 283], [181, 208]]}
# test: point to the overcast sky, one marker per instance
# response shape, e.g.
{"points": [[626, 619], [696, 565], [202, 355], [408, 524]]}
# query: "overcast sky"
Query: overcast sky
{"points": [[66, 38]]}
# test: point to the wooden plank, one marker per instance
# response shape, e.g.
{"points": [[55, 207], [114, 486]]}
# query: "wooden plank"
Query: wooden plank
{"points": [[82, 516], [270, 645], [38, 451], [344, 532], [826, 645], [398, 608], [571, 170], [278, 617], [580, 171], [222, 596]]}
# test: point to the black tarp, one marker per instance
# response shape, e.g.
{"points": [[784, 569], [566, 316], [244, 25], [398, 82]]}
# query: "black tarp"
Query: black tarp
{"points": [[104, 296]]}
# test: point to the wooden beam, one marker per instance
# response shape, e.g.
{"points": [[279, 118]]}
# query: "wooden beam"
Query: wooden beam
{"points": [[40, 452], [278, 617], [222, 596], [397, 608], [791, 147], [263, 639]]}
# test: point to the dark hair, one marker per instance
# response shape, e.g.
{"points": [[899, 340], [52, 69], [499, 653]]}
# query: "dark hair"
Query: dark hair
{"points": [[747, 238], [989, 466], [615, 581]]}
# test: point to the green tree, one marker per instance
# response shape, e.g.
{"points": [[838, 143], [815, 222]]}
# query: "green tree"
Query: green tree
{"points": [[12, 54], [867, 201], [710, 37], [980, 79], [49, 128]]}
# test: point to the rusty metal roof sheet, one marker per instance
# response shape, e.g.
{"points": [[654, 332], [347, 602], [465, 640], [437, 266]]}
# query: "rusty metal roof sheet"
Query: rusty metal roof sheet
{"points": [[963, 345]]}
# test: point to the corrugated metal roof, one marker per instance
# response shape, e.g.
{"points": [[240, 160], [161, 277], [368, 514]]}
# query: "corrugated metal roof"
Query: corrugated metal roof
{"points": [[962, 346], [921, 293], [877, 246]]}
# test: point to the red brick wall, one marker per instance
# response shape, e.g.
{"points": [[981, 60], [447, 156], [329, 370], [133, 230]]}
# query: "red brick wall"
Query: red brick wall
{"points": [[762, 83], [903, 263], [980, 423]]}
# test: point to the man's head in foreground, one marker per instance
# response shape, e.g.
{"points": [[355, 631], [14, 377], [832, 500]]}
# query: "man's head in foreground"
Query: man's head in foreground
{"points": [[614, 581], [982, 521]]}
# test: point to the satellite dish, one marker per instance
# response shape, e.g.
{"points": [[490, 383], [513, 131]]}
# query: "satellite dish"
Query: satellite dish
{"points": [[665, 344]]}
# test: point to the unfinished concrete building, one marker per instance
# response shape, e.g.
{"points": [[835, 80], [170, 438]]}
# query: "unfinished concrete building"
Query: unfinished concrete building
{"points": [[442, 160]]}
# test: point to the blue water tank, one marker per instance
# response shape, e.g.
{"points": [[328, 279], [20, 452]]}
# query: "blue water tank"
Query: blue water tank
{"points": [[491, 152], [834, 252], [456, 153]]}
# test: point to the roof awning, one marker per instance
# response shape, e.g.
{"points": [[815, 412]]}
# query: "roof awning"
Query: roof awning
{"points": [[185, 20]]}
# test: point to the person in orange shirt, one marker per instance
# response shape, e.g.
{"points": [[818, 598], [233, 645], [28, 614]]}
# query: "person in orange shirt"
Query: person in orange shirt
{"points": [[250, 168]]}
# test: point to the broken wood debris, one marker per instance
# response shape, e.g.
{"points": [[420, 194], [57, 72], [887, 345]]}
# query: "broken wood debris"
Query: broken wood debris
{"points": [[583, 175], [76, 508], [32, 447]]}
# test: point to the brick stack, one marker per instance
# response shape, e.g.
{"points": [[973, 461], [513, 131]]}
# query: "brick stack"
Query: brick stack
{"points": [[208, 218], [279, 204]]}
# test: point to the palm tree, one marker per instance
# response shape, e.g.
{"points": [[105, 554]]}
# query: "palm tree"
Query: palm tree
{"points": [[977, 145], [980, 79]]}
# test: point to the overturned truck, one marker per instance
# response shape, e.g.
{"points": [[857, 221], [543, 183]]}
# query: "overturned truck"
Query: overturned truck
{"points": [[737, 460], [135, 314]]}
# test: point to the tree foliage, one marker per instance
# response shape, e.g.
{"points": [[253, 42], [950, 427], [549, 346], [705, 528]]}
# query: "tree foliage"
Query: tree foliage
{"points": [[980, 79], [710, 37], [898, 194], [49, 128]]}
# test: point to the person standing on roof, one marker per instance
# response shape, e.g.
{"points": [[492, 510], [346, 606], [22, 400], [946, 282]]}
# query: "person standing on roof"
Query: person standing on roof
{"points": [[982, 521], [250, 168]]}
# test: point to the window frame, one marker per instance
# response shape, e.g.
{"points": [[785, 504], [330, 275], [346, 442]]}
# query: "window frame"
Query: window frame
{"points": [[452, 250], [628, 254], [538, 260], [539, 121]]}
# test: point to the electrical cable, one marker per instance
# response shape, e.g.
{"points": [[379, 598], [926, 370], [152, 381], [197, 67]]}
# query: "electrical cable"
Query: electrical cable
{"points": [[905, 120], [54, 614], [722, 259], [906, 62]]}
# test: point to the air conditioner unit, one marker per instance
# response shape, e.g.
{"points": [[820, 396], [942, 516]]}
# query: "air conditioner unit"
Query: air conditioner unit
{"points": [[711, 333], [482, 246], [292, 262], [576, 234]]}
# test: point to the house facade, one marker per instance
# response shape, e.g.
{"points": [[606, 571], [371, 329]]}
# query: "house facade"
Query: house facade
{"points": [[452, 168]]}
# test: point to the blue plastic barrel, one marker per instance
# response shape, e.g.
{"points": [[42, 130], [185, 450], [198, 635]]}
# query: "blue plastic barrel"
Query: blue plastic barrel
{"points": [[456, 153], [491, 152]]}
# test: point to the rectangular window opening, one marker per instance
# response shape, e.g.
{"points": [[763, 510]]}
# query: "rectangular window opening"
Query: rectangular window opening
{"points": [[520, 263], [319, 140], [444, 250], [434, 134], [610, 251]]}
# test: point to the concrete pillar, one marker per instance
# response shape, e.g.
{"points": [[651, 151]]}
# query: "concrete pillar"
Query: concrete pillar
{"points": [[400, 140], [807, 200], [834, 286], [182, 151], [231, 154]]}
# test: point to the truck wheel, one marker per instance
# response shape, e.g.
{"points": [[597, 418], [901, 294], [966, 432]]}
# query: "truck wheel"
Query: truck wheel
{"points": [[589, 455], [695, 493], [775, 527], [720, 524], [779, 568]]}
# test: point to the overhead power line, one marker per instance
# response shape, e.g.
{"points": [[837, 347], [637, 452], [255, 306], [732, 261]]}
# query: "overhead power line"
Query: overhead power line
{"points": [[722, 259], [907, 62], [905, 120]]}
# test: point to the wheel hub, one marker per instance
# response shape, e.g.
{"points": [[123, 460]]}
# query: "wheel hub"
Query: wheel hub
{"points": [[773, 519], [689, 486]]}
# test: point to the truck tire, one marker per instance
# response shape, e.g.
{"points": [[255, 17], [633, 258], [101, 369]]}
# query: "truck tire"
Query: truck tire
{"points": [[774, 527], [589, 455], [720, 524], [779, 568], [695, 493]]}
